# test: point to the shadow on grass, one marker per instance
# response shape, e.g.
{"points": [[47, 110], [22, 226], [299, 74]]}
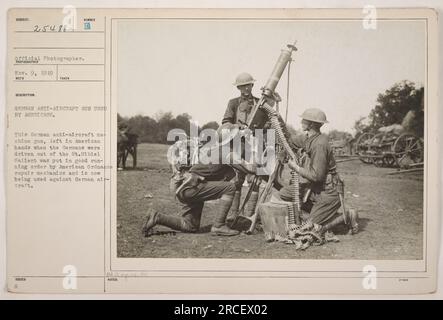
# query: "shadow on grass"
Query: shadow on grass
{"points": [[343, 229], [205, 229]]}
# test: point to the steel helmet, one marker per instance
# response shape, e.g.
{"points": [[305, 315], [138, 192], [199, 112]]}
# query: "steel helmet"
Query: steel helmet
{"points": [[243, 78], [314, 115]]}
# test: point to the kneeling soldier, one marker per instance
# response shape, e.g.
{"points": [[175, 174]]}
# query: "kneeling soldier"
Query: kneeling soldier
{"points": [[322, 178], [203, 182]]}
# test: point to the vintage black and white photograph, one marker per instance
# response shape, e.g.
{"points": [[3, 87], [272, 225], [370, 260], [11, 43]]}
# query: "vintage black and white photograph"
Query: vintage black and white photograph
{"points": [[271, 138]]}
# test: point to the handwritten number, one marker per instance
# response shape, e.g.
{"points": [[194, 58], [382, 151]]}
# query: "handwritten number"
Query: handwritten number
{"points": [[50, 28]]}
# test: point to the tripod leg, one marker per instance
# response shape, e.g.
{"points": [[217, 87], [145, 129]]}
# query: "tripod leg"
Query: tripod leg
{"points": [[241, 222], [248, 195]]}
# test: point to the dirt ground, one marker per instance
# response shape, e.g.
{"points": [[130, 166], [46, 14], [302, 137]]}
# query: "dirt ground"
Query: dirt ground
{"points": [[390, 209]]}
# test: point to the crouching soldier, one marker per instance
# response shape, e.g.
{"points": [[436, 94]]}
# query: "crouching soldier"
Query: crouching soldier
{"points": [[323, 188], [203, 182]]}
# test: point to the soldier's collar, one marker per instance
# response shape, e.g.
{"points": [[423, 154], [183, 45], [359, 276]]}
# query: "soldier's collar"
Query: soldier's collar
{"points": [[248, 98], [313, 135]]}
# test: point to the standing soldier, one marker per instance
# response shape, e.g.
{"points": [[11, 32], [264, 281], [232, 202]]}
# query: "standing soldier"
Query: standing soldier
{"points": [[239, 109], [326, 187], [238, 114]]}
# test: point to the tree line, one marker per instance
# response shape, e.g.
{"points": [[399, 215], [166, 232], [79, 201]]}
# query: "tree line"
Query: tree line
{"points": [[155, 130], [403, 104]]}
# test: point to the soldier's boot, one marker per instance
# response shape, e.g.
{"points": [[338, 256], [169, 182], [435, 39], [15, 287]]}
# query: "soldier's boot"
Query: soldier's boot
{"points": [[219, 228], [233, 213], [252, 203], [351, 219], [335, 222], [154, 218]]}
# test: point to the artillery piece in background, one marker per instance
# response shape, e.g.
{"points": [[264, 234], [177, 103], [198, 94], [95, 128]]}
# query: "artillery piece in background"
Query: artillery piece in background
{"points": [[391, 146], [342, 147]]}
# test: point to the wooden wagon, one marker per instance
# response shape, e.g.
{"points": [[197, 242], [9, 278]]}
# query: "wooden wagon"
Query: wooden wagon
{"points": [[390, 148]]}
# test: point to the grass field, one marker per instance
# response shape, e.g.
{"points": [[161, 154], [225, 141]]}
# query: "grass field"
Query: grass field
{"points": [[390, 209]]}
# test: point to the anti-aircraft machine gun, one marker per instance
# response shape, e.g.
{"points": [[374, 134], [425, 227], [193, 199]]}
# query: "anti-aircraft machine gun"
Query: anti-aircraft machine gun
{"points": [[263, 112]]}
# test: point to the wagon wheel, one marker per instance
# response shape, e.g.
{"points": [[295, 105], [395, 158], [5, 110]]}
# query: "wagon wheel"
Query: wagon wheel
{"points": [[378, 161], [408, 149], [377, 139], [389, 160], [375, 148], [362, 145]]}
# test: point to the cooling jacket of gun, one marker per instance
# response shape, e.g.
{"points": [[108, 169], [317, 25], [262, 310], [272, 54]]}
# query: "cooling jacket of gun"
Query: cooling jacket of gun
{"points": [[274, 78], [279, 68]]}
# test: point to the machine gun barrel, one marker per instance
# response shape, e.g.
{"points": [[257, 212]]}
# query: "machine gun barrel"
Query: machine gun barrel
{"points": [[271, 84], [279, 68]]}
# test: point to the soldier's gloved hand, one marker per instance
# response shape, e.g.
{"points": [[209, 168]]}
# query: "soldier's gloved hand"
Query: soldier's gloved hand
{"points": [[294, 166], [267, 125], [253, 168], [240, 126]]}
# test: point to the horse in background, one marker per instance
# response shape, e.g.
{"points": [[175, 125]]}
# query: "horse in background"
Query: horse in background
{"points": [[126, 145]]}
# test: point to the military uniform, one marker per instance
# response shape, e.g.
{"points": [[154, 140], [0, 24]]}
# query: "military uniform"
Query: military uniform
{"points": [[202, 183], [239, 110], [320, 176], [212, 182], [321, 188]]}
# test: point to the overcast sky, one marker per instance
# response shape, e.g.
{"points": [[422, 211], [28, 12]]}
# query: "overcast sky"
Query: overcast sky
{"points": [[189, 66]]}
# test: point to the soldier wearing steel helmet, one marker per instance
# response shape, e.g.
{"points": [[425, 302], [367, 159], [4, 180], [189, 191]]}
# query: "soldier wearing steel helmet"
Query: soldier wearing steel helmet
{"points": [[203, 182], [320, 174], [237, 115], [239, 109]]}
